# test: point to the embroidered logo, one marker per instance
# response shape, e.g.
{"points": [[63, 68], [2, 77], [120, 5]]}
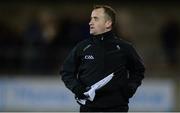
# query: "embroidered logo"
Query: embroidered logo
{"points": [[88, 57], [87, 47]]}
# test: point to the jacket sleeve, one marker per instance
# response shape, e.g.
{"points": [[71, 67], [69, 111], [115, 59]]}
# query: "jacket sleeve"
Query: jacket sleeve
{"points": [[69, 73], [136, 71]]}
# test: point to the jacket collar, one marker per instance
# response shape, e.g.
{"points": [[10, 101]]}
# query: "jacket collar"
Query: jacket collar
{"points": [[104, 36]]}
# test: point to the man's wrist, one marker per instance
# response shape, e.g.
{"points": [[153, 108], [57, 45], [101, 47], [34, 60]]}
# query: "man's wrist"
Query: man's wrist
{"points": [[79, 90]]}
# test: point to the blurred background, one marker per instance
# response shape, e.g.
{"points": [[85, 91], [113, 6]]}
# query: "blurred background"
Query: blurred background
{"points": [[36, 37]]}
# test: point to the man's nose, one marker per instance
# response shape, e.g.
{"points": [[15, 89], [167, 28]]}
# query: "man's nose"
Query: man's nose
{"points": [[90, 23]]}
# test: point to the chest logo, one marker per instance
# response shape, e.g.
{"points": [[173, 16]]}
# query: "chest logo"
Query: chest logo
{"points": [[88, 57]]}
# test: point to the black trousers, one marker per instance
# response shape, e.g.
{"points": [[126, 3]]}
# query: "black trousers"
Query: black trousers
{"points": [[112, 109]]}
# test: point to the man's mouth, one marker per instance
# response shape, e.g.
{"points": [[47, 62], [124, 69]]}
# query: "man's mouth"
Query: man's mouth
{"points": [[91, 27]]}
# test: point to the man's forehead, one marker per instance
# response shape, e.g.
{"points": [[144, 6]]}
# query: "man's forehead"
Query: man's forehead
{"points": [[97, 12]]}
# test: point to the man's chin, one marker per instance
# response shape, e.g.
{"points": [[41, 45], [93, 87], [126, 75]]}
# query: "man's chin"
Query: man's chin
{"points": [[92, 33]]}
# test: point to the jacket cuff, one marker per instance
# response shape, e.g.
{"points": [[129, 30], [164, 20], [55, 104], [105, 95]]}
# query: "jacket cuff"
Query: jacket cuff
{"points": [[79, 89]]}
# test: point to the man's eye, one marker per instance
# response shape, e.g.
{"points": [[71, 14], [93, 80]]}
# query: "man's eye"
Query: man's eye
{"points": [[95, 19]]}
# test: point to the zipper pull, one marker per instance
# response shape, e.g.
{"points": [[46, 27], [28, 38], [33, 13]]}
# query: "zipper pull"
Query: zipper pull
{"points": [[102, 38], [118, 47]]}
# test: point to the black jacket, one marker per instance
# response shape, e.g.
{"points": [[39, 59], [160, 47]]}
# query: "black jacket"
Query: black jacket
{"points": [[97, 57]]}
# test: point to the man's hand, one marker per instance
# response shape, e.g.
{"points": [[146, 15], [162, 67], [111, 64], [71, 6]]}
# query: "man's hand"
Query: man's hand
{"points": [[81, 96], [79, 91]]}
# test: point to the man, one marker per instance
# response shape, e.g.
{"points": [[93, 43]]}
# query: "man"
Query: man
{"points": [[96, 58]]}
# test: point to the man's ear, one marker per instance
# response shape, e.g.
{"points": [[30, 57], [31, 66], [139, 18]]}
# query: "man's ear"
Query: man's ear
{"points": [[108, 23]]}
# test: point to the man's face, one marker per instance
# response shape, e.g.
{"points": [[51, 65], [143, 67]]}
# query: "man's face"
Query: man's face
{"points": [[99, 22]]}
